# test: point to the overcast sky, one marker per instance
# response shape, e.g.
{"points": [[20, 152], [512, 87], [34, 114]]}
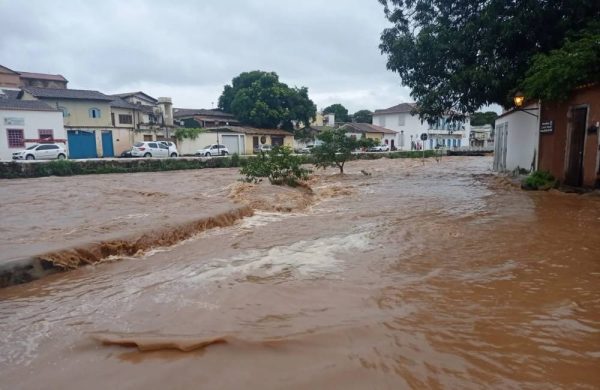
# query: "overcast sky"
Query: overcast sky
{"points": [[189, 50]]}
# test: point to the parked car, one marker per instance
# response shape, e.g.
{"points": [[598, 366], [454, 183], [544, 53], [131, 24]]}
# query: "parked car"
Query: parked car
{"points": [[42, 152], [173, 152], [149, 149], [262, 149], [213, 150], [126, 153], [379, 148], [306, 150]]}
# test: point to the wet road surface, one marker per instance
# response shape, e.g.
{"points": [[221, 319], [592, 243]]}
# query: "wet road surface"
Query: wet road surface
{"points": [[440, 276]]}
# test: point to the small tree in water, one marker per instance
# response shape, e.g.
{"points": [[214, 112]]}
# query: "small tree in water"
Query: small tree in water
{"points": [[337, 148], [279, 166]]}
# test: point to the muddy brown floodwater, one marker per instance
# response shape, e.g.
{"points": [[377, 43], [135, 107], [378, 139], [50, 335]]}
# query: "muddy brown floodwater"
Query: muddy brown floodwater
{"points": [[435, 276]]}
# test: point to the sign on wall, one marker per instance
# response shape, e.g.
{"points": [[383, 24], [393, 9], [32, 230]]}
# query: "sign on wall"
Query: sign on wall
{"points": [[14, 121], [547, 127]]}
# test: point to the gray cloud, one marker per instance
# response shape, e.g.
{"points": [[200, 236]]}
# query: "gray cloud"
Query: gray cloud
{"points": [[189, 49]]}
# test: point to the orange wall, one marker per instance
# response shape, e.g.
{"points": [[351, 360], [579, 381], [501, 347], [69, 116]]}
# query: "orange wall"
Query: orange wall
{"points": [[553, 146]]}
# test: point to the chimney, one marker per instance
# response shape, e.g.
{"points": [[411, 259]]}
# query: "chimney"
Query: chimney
{"points": [[166, 108]]}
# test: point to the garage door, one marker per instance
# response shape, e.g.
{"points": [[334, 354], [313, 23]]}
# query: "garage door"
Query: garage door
{"points": [[82, 144], [234, 143]]}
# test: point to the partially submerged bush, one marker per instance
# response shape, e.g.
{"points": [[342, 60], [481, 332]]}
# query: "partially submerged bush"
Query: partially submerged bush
{"points": [[279, 166], [539, 180]]}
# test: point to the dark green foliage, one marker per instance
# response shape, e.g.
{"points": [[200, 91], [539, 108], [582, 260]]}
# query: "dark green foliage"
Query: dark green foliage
{"points": [[363, 116], [279, 166], [483, 118], [461, 55], [554, 75], [539, 180], [340, 112], [235, 160], [337, 148], [188, 133], [259, 99]]}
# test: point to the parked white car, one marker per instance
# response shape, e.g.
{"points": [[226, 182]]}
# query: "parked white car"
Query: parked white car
{"points": [[379, 148], [306, 150], [262, 149], [41, 152], [150, 149], [213, 150], [173, 152]]}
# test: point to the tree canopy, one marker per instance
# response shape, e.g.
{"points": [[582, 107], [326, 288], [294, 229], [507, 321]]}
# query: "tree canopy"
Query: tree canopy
{"points": [[457, 56], [483, 118], [553, 75], [336, 148], [341, 113], [363, 116], [259, 99]]}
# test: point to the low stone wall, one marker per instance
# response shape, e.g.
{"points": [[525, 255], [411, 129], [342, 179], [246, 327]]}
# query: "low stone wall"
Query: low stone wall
{"points": [[25, 169]]}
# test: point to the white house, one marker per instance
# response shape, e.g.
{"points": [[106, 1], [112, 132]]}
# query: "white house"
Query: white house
{"points": [[27, 122], [516, 140], [402, 119], [481, 136]]}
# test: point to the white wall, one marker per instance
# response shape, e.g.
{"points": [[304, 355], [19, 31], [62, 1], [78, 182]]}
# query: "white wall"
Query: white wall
{"points": [[190, 146], [33, 121], [522, 140]]}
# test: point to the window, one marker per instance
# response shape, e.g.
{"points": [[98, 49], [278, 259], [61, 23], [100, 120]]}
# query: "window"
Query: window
{"points": [[163, 146], [64, 110], [46, 135], [15, 138], [125, 119], [147, 137], [401, 119], [382, 121], [94, 113], [153, 145]]}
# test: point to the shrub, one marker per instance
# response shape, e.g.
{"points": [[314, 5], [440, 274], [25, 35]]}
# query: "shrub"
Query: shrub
{"points": [[539, 180], [279, 166], [234, 160]]}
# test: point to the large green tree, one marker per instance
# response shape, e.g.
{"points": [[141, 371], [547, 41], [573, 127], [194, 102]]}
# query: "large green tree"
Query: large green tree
{"points": [[363, 116], [553, 75], [259, 99], [483, 118], [340, 112], [457, 56]]}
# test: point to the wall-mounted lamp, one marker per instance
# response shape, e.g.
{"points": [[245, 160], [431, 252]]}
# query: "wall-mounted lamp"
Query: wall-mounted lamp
{"points": [[519, 100]]}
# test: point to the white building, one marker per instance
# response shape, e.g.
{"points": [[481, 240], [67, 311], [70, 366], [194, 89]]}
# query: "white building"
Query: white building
{"points": [[27, 122], [516, 140], [402, 119], [481, 136]]}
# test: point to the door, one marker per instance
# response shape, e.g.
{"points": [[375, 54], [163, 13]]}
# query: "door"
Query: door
{"points": [[52, 151], [107, 144], [232, 143], [153, 149], [163, 150], [82, 144], [574, 176]]}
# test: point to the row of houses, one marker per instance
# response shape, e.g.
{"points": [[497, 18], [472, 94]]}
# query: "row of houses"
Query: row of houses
{"points": [[559, 137], [38, 107]]}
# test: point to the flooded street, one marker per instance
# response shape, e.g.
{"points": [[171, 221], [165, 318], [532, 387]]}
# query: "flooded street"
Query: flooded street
{"points": [[435, 276]]}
